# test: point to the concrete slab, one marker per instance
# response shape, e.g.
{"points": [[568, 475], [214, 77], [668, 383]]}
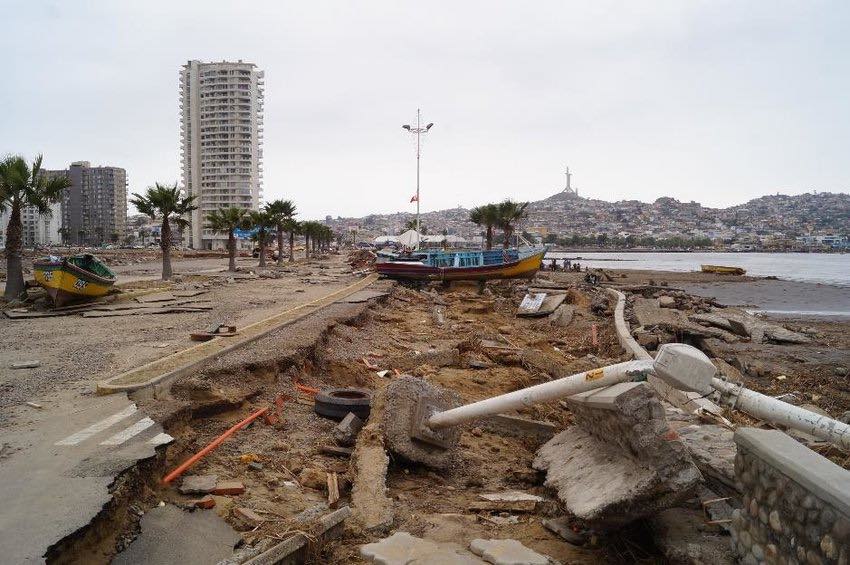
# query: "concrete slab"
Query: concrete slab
{"points": [[61, 462], [401, 548], [506, 552], [171, 535]]}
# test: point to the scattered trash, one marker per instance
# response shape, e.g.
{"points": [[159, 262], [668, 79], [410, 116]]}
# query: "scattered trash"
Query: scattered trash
{"points": [[216, 330], [383, 373], [26, 365], [34, 405]]}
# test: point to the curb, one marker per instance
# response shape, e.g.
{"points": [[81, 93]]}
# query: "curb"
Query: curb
{"points": [[217, 347]]}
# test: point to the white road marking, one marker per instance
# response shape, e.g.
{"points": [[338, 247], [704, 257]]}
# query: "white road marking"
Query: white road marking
{"points": [[129, 432], [160, 439], [98, 427]]}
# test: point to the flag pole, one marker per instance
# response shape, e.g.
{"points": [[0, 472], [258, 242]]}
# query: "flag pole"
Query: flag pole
{"points": [[418, 132]]}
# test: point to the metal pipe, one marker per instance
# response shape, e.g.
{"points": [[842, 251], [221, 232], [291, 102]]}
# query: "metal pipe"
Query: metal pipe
{"points": [[778, 412], [552, 390]]}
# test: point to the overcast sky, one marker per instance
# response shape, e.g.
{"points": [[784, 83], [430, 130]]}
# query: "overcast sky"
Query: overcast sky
{"points": [[713, 101]]}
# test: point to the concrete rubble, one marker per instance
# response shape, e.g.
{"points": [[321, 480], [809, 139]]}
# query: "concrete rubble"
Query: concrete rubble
{"points": [[401, 548], [621, 461], [506, 552]]}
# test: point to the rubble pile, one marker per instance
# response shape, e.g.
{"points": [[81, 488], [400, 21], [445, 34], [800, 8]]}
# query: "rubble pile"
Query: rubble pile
{"points": [[361, 259]]}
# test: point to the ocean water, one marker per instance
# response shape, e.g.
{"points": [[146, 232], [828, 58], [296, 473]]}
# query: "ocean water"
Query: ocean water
{"points": [[825, 268]]}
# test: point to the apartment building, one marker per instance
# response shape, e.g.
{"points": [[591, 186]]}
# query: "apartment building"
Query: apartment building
{"points": [[38, 229], [221, 131], [94, 207]]}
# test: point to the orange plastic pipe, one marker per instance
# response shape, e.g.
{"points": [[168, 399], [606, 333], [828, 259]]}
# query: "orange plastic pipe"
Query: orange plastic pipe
{"points": [[304, 388], [215, 443]]}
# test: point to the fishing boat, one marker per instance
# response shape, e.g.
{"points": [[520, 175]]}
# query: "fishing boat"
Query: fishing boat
{"points": [[723, 270], [462, 265], [73, 279]]}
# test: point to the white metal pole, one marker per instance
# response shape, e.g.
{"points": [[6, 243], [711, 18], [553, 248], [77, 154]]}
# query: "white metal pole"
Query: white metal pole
{"points": [[778, 412], [418, 133], [567, 386]]}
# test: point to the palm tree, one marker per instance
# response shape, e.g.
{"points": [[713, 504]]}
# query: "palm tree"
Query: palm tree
{"points": [[228, 220], [168, 204], [293, 228], [411, 225], [263, 222], [143, 234], [487, 216], [280, 211], [509, 214], [23, 185]]}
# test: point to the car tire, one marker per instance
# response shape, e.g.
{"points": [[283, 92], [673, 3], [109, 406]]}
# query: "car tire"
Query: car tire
{"points": [[336, 403]]}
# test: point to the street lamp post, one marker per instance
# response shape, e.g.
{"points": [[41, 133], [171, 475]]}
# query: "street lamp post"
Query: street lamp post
{"points": [[418, 131]]}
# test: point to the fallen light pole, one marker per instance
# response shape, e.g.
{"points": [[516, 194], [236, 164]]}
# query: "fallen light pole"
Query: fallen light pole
{"points": [[433, 419], [781, 413]]}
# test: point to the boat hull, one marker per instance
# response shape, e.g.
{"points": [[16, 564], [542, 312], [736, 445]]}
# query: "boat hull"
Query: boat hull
{"points": [[66, 283], [723, 270], [525, 267]]}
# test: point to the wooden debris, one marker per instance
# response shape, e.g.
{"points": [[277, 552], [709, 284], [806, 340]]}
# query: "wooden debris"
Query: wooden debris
{"points": [[333, 490], [336, 451], [503, 506], [26, 365]]}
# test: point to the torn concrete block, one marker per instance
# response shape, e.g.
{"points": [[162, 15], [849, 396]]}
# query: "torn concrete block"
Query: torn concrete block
{"points": [[506, 552], [680, 534], [198, 484], [563, 316], [345, 433], [401, 548], [621, 461], [371, 507], [649, 313], [713, 450], [548, 305], [248, 517], [206, 502], [229, 487]]}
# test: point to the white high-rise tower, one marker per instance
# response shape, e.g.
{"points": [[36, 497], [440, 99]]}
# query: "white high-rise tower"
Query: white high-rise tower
{"points": [[221, 132]]}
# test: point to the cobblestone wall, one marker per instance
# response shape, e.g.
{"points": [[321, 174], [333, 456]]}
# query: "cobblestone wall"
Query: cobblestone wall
{"points": [[795, 503]]}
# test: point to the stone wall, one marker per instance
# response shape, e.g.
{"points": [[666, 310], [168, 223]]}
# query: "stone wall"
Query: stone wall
{"points": [[796, 503]]}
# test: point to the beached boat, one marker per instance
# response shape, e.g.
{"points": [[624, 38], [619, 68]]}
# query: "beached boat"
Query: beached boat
{"points": [[723, 270], [73, 279], [463, 265]]}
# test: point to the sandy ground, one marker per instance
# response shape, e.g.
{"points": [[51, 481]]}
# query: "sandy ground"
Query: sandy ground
{"points": [[396, 334], [75, 351]]}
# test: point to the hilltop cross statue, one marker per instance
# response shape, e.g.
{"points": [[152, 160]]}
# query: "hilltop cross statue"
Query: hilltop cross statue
{"points": [[568, 188]]}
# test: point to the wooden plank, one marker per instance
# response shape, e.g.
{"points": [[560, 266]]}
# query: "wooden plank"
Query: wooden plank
{"points": [[333, 490], [503, 506], [158, 297], [163, 310]]}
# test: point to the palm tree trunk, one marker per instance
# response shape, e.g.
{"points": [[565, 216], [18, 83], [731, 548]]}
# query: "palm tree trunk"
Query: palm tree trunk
{"points": [[306, 245], [509, 230], [165, 245], [489, 236], [14, 273], [231, 252], [280, 245], [262, 240], [291, 246]]}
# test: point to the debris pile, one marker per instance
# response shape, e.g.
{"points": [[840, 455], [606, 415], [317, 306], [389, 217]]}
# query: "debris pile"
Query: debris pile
{"points": [[361, 259]]}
